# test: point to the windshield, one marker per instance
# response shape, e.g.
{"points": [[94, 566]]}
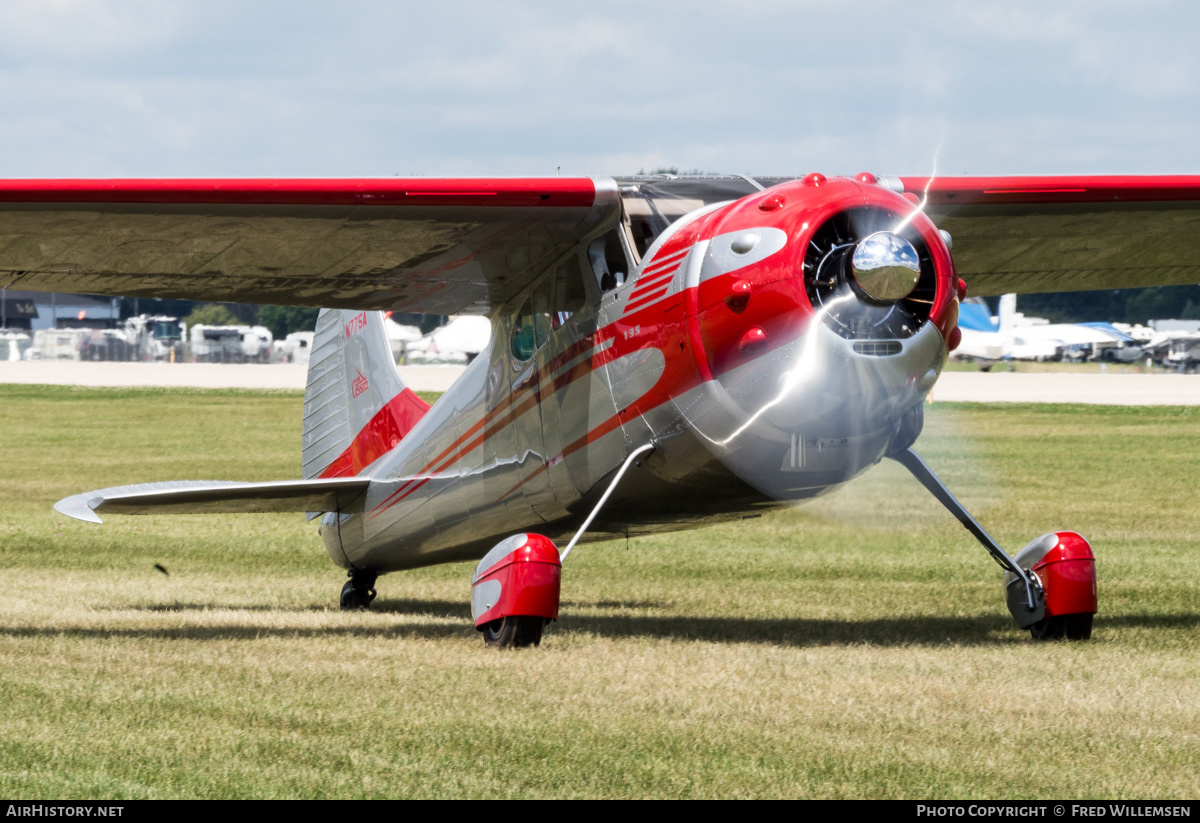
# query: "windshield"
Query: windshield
{"points": [[654, 203]]}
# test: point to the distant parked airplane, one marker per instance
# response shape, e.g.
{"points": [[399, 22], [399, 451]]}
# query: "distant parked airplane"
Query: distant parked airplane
{"points": [[1010, 336]]}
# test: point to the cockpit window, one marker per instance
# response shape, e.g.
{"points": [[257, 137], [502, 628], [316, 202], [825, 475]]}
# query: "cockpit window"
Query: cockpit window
{"points": [[523, 343], [608, 260], [166, 331], [652, 204], [541, 313], [570, 295]]}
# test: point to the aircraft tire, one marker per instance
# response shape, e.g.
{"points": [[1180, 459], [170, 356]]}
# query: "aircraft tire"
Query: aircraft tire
{"points": [[356, 596], [516, 631], [1070, 626]]}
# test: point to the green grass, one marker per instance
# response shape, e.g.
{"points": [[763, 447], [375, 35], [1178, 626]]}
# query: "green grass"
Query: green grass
{"points": [[857, 647]]}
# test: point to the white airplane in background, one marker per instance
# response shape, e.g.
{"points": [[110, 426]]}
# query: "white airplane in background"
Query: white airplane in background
{"points": [[1012, 336]]}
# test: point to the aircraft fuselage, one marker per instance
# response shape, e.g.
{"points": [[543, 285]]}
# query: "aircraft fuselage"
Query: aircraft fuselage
{"points": [[739, 344]]}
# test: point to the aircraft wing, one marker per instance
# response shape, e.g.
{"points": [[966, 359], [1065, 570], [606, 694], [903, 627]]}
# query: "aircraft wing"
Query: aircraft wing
{"points": [[425, 245], [1050, 234], [344, 495], [466, 245]]}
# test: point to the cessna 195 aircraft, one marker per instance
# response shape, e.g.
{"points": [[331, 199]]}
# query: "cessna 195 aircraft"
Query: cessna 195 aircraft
{"points": [[666, 352]]}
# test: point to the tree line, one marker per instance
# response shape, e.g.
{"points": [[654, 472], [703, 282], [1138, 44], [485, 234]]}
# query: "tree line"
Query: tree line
{"points": [[1113, 305]]}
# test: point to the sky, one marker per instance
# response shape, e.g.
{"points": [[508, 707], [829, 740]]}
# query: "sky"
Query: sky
{"points": [[100, 88]]}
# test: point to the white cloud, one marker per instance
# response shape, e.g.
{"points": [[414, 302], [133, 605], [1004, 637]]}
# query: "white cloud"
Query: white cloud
{"points": [[74, 29], [290, 89]]}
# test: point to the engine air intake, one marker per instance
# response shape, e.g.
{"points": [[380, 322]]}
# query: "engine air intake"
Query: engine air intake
{"points": [[851, 312], [880, 348]]}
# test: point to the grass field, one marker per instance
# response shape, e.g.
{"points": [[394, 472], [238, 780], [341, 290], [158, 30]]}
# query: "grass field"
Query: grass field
{"points": [[858, 647]]}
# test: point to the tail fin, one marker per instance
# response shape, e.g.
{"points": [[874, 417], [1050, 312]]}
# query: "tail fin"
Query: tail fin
{"points": [[356, 407], [1008, 310]]}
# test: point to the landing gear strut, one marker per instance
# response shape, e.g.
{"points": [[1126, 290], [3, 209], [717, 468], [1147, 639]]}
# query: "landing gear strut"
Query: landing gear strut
{"points": [[359, 590], [1050, 586]]}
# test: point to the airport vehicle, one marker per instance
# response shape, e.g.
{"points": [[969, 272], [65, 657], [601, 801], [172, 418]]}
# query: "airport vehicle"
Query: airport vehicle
{"points": [[257, 342], [294, 348], [400, 337], [156, 337], [666, 352], [105, 344], [459, 341], [1184, 353]]}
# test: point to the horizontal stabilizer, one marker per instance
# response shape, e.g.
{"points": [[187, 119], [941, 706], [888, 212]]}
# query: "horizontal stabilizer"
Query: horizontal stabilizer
{"points": [[343, 494]]}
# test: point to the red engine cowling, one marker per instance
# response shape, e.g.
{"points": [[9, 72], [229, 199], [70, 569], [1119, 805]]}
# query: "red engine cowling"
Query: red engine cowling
{"points": [[521, 576], [756, 307]]}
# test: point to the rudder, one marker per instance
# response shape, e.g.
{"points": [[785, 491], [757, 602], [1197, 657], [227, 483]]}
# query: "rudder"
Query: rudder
{"points": [[356, 407]]}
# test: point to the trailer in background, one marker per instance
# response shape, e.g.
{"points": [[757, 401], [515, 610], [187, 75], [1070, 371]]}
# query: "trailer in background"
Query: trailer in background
{"points": [[56, 344], [230, 344]]}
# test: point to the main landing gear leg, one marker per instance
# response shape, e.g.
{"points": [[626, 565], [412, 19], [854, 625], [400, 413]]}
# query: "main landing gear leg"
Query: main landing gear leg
{"points": [[1050, 586], [629, 461], [359, 590]]}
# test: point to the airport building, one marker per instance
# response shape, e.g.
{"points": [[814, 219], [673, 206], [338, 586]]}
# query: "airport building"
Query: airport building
{"points": [[33, 310]]}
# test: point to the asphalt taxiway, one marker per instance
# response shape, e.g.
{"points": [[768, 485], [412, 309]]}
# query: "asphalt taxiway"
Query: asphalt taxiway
{"points": [[980, 387]]}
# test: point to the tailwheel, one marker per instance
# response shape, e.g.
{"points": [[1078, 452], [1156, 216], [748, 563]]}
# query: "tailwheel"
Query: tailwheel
{"points": [[1070, 626], [359, 591], [517, 631]]}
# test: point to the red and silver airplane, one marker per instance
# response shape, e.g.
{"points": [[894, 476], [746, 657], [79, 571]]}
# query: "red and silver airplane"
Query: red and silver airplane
{"points": [[666, 352]]}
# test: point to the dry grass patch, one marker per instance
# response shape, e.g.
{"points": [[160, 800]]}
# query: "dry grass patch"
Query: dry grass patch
{"points": [[817, 653]]}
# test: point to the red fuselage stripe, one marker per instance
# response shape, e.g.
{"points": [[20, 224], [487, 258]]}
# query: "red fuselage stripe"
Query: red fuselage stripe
{"points": [[511, 414], [646, 284], [380, 435], [499, 417], [658, 265], [572, 351], [634, 305]]}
